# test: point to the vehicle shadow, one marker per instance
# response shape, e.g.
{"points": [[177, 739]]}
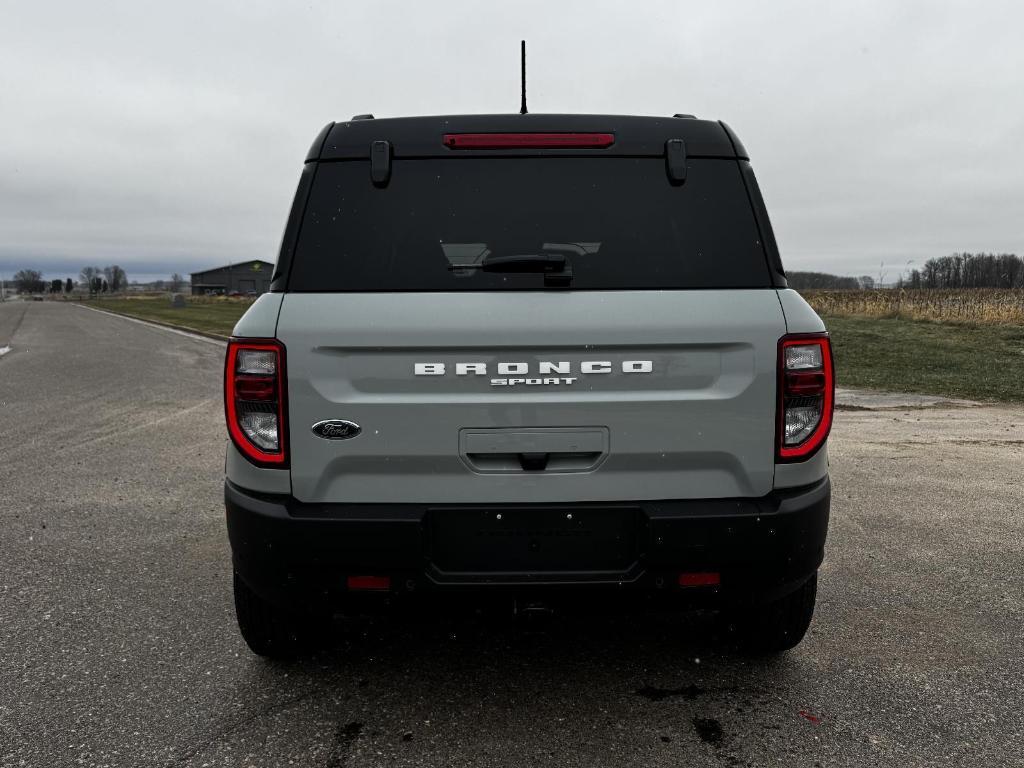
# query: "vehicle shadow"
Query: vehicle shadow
{"points": [[638, 647], [650, 655], [561, 685]]}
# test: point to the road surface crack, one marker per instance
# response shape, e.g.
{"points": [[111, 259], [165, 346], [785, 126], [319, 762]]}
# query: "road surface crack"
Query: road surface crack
{"points": [[241, 723]]}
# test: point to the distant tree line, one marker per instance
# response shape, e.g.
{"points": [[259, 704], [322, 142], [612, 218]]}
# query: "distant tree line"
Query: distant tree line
{"points": [[969, 270], [110, 279], [824, 281], [31, 281], [94, 279], [174, 285], [961, 270], [101, 280]]}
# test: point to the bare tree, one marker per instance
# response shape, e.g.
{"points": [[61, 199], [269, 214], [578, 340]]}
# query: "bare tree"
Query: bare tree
{"points": [[177, 282], [88, 276], [29, 281], [116, 277]]}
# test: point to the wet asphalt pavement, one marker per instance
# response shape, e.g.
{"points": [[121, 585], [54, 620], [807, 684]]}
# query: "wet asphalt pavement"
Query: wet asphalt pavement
{"points": [[118, 645]]}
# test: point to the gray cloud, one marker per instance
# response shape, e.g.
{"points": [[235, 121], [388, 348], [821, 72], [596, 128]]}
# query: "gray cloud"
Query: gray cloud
{"points": [[169, 136]]}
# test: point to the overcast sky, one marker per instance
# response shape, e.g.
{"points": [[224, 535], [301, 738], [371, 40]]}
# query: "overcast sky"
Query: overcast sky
{"points": [[169, 136]]}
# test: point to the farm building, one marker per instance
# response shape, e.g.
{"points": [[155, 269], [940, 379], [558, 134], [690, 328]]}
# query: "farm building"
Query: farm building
{"points": [[243, 277]]}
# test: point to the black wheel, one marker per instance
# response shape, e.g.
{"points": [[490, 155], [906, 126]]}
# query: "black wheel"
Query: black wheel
{"points": [[777, 626], [272, 631]]}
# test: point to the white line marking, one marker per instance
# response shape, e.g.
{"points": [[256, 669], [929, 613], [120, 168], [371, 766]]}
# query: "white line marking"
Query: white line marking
{"points": [[159, 327], [4, 351]]}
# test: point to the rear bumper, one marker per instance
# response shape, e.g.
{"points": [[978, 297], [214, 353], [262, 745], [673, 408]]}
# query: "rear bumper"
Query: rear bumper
{"points": [[302, 554]]}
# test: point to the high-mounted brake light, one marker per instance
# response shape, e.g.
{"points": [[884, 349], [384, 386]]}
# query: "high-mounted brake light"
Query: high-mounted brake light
{"points": [[254, 400], [806, 395], [528, 140]]}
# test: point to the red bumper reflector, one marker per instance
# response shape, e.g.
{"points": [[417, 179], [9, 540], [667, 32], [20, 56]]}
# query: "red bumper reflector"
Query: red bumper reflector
{"points": [[699, 579], [528, 140], [369, 582]]}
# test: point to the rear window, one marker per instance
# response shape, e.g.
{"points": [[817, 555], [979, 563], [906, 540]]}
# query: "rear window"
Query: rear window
{"points": [[617, 221]]}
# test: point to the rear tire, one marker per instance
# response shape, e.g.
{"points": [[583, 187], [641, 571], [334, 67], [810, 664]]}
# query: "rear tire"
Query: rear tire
{"points": [[270, 630], [777, 626]]}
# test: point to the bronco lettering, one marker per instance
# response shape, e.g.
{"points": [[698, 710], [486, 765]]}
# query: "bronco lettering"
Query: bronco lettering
{"points": [[544, 367]]}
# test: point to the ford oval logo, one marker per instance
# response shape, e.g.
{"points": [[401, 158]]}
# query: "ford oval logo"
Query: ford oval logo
{"points": [[336, 429]]}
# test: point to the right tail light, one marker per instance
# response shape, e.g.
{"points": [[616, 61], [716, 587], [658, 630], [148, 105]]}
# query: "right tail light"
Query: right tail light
{"points": [[807, 390]]}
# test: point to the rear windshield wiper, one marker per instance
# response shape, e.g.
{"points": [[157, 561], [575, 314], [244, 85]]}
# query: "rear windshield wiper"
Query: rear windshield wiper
{"points": [[555, 267], [521, 262]]}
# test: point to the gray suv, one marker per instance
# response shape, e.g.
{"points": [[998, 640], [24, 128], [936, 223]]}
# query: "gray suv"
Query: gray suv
{"points": [[534, 359]]}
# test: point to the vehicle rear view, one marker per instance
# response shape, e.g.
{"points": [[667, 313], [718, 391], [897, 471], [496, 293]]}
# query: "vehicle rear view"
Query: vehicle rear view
{"points": [[519, 356]]}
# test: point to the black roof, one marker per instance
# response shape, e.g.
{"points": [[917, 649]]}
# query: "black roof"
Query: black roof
{"points": [[422, 136], [235, 265]]}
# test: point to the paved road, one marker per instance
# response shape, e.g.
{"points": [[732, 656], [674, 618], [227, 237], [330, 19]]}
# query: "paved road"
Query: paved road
{"points": [[119, 648]]}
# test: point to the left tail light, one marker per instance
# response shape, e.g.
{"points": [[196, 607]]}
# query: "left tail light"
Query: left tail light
{"points": [[807, 390], [254, 400]]}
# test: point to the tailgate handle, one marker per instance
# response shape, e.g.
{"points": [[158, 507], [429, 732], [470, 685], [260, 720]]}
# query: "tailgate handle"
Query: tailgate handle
{"points": [[533, 462], [538, 449]]}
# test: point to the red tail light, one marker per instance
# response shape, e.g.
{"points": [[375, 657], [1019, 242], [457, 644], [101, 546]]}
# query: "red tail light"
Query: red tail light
{"points": [[706, 579], [254, 400], [528, 140], [369, 583], [806, 395]]}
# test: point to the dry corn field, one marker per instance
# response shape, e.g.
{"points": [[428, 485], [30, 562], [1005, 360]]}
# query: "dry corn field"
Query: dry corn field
{"points": [[1004, 306]]}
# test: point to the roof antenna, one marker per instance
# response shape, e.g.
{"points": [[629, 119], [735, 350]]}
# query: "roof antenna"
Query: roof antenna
{"points": [[522, 50]]}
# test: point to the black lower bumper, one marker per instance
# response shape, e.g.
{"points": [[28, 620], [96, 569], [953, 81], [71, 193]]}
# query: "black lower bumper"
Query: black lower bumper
{"points": [[303, 554]]}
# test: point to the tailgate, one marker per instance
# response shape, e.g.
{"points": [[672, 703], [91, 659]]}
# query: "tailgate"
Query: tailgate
{"points": [[521, 397]]}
